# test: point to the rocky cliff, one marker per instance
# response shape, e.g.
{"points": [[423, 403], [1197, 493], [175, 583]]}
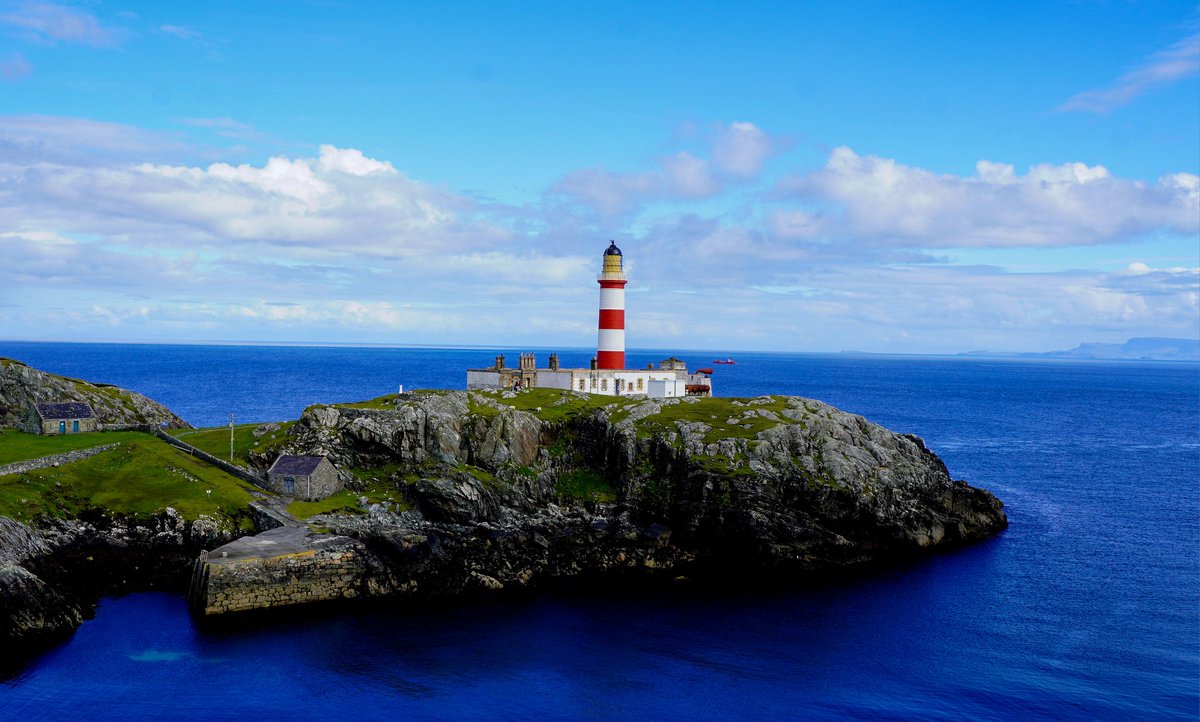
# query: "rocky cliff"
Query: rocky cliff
{"points": [[22, 386], [479, 491], [51, 573], [456, 493]]}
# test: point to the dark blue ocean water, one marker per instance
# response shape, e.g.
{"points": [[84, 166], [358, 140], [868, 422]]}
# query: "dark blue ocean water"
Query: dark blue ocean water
{"points": [[1088, 607]]}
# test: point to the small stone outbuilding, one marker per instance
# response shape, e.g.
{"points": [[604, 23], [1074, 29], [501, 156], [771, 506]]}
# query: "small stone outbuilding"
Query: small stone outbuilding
{"points": [[66, 417], [303, 477]]}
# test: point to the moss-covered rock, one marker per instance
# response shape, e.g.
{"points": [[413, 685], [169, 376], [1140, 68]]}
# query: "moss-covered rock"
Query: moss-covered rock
{"points": [[772, 482]]}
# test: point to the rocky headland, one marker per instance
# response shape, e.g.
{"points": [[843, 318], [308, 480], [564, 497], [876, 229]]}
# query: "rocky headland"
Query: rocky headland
{"points": [[451, 494], [21, 386], [53, 571], [515, 488]]}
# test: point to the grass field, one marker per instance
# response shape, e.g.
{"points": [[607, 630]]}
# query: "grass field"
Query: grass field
{"points": [[728, 417], [724, 415], [215, 440], [553, 404], [19, 446], [346, 501], [142, 476]]}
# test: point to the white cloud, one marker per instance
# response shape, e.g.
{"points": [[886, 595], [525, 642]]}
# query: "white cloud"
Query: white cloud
{"points": [[687, 176], [741, 149], [14, 67], [337, 204], [27, 140], [952, 309], [794, 224], [879, 201], [1180, 61], [738, 152], [181, 32], [339, 246], [49, 22], [225, 127], [335, 245], [351, 161], [609, 192]]}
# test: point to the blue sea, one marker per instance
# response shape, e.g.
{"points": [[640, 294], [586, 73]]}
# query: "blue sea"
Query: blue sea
{"points": [[1087, 607]]}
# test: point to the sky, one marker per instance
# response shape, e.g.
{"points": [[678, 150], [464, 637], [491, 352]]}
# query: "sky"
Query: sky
{"points": [[884, 177]]}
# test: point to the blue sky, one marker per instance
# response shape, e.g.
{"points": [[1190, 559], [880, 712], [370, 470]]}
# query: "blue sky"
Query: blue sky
{"points": [[909, 178]]}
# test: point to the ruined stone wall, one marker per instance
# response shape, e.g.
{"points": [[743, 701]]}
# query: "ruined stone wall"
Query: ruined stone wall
{"points": [[223, 586], [20, 467], [144, 428], [238, 471]]}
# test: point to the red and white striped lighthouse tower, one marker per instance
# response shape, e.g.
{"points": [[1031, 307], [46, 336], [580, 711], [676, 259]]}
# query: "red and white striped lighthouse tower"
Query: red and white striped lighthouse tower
{"points": [[610, 346]]}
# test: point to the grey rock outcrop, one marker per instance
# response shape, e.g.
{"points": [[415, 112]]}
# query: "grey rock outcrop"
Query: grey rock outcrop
{"points": [[50, 575], [22, 386], [775, 487], [485, 492]]}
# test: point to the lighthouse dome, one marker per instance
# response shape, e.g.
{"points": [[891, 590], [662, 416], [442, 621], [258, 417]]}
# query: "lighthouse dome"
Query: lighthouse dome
{"points": [[612, 249]]}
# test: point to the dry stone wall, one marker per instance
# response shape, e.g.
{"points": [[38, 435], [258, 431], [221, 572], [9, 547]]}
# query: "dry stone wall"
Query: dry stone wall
{"points": [[20, 467], [232, 469]]}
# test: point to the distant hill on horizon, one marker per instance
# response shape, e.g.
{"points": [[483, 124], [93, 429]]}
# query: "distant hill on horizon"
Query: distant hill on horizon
{"points": [[1135, 349]]}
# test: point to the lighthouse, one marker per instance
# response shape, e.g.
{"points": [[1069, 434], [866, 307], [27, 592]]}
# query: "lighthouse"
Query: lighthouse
{"points": [[610, 344], [606, 375]]}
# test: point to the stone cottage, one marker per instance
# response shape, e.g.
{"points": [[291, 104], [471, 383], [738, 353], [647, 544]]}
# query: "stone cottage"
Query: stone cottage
{"points": [[304, 477], [67, 417]]}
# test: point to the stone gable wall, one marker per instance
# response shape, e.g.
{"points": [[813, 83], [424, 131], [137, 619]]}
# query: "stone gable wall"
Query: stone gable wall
{"points": [[325, 481]]}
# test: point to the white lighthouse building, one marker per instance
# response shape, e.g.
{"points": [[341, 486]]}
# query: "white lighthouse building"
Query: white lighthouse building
{"points": [[606, 374]]}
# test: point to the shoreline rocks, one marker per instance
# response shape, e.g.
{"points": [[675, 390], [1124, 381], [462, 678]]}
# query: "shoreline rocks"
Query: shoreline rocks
{"points": [[484, 496], [813, 491], [50, 576]]}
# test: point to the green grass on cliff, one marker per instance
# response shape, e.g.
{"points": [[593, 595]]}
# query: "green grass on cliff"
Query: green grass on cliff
{"points": [[385, 403], [215, 440], [585, 484], [346, 501], [142, 476], [553, 404], [735, 418], [727, 417], [19, 446], [388, 402]]}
